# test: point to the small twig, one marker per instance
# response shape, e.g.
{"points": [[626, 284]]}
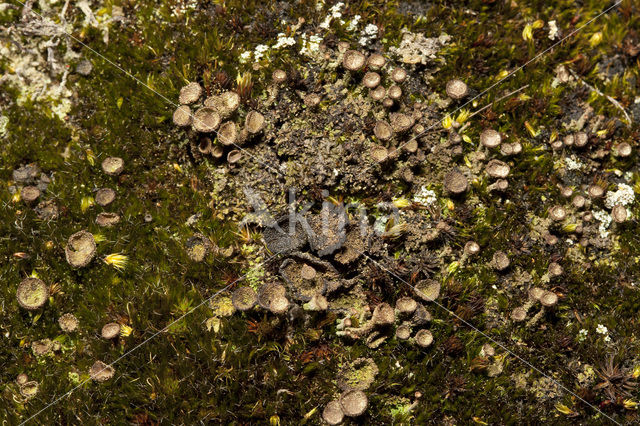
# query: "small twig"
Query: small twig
{"points": [[499, 99], [64, 11], [595, 89]]}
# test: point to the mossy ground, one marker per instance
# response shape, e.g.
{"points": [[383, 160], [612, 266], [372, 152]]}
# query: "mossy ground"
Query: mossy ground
{"points": [[254, 369]]}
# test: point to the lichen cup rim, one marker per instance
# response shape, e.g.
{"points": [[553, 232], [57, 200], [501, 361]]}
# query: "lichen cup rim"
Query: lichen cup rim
{"points": [[32, 303], [244, 298], [73, 253]]}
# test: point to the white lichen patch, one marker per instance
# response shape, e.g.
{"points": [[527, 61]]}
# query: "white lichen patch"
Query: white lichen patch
{"points": [[259, 51], [605, 220], [418, 49], [582, 335], [553, 30], [353, 24], [624, 196], [425, 196], [4, 122], [284, 41], [572, 163], [32, 77], [335, 12], [368, 34], [38, 60], [310, 45]]}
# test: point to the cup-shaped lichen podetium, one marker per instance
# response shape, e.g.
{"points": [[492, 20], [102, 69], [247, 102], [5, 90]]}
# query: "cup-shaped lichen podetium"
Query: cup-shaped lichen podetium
{"points": [[400, 122], [619, 213], [376, 61], [279, 305], [190, 93], [80, 249], [399, 75], [354, 403], [244, 298], [228, 133], [101, 372], [182, 116], [234, 156], [394, 92], [455, 182], [371, 80], [110, 331], [403, 332], [428, 290], [107, 220], [622, 150], [105, 196], [113, 166], [383, 314], [332, 413], [406, 305], [378, 93], [254, 122], [549, 299], [279, 76], [353, 60], [228, 103], [379, 153], [30, 194], [457, 89], [383, 130], [272, 297], [206, 120], [22, 379], [500, 261], [29, 389], [32, 293], [519, 314], [68, 322], [490, 138], [317, 303], [270, 292], [497, 169], [424, 338]]}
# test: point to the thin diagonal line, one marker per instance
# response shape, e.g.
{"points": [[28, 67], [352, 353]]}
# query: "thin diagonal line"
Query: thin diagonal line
{"points": [[571, 34], [61, 29], [162, 330], [508, 95], [519, 358]]}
